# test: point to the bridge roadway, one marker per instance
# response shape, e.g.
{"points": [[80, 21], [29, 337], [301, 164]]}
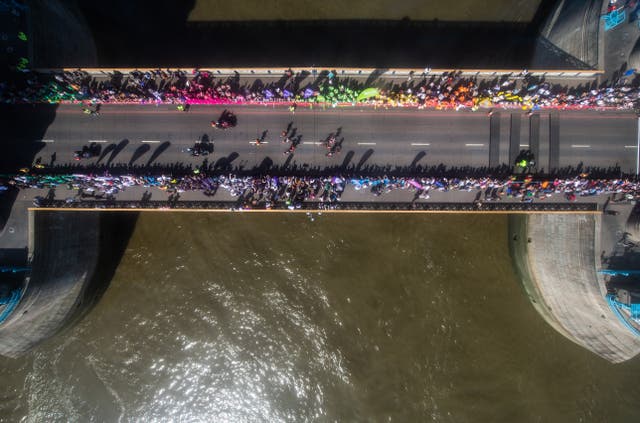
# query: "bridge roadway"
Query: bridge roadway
{"points": [[404, 138]]}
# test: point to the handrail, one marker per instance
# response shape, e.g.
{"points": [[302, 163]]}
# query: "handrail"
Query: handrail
{"points": [[11, 304], [614, 307]]}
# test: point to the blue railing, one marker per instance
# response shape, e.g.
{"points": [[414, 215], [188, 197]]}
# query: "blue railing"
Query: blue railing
{"points": [[613, 19], [10, 304], [13, 269], [613, 272], [614, 305]]}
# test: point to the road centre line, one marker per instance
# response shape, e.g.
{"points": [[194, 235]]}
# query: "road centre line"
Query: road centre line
{"points": [[474, 145], [366, 143], [420, 143], [312, 142], [102, 141], [150, 142], [580, 146]]}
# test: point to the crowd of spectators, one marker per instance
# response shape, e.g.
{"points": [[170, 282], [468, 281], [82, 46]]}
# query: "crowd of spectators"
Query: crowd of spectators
{"points": [[450, 90], [267, 191]]}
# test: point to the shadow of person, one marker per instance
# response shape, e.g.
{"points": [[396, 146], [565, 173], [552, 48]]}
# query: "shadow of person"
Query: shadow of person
{"points": [[121, 145], [224, 163], [364, 158], [265, 165], [347, 159], [416, 159], [106, 151], [287, 162], [161, 149], [94, 149], [140, 151]]}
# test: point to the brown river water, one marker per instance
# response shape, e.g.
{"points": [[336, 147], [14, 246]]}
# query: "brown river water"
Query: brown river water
{"points": [[276, 317]]}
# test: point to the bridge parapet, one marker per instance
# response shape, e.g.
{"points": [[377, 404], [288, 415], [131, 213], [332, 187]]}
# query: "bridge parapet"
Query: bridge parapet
{"points": [[390, 73], [349, 206]]}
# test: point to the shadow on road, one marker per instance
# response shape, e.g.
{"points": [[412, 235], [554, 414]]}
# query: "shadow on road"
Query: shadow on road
{"points": [[347, 159], [24, 127], [161, 149], [287, 162], [416, 159], [364, 158], [106, 151], [121, 145], [265, 165], [224, 163], [140, 151]]}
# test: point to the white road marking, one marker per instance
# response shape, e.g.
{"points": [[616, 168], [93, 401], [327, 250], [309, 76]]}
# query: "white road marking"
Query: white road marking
{"points": [[630, 146], [312, 142], [474, 145], [46, 141], [150, 142], [420, 143], [366, 143], [524, 145], [102, 141], [261, 142], [580, 146]]}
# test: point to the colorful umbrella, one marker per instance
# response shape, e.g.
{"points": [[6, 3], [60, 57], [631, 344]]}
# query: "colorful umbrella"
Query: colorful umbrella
{"points": [[368, 93]]}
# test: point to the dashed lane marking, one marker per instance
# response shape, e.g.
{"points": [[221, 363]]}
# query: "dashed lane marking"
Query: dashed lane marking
{"points": [[312, 142], [420, 143], [150, 141], [48, 141], [580, 146], [100, 141], [474, 145], [366, 143]]}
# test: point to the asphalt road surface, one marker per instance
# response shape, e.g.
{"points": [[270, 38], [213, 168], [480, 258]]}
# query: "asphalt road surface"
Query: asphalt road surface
{"points": [[405, 138]]}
